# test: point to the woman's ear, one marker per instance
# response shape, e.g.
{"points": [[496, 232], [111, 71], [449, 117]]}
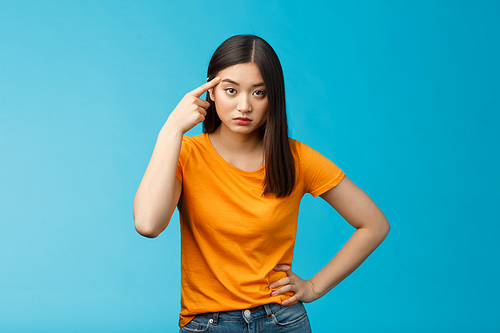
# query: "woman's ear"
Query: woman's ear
{"points": [[211, 94]]}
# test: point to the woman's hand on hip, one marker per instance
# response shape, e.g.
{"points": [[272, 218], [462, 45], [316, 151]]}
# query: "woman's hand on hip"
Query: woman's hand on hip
{"points": [[191, 110], [303, 290]]}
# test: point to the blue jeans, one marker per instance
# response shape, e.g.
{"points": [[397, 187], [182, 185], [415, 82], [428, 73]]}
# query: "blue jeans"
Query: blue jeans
{"points": [[267, 318]]}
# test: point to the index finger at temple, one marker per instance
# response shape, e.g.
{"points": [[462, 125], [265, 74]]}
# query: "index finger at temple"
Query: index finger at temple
{"points": [[203, 88]]}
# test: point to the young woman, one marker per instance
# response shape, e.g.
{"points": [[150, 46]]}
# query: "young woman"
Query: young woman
{"points": [[238, 188]]}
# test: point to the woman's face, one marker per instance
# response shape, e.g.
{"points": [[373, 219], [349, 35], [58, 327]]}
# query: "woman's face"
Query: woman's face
{"points": [[241, 98]]}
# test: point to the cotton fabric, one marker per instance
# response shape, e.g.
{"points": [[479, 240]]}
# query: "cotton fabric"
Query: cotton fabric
{"points": [[231, 235]]}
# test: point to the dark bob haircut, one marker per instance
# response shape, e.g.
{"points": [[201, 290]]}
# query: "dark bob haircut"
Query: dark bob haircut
{"points": [[278, 156]]}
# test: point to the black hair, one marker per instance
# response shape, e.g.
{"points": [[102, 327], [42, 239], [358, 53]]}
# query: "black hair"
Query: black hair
{"points": [[278, 156]]}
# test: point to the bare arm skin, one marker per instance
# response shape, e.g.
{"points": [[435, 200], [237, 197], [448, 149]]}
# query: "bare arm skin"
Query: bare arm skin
{"points": [[371, 229], [159, 190]]}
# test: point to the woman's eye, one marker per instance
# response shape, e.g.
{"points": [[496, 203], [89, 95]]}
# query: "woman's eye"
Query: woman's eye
{"points": [[260, 93], [231, 91]]}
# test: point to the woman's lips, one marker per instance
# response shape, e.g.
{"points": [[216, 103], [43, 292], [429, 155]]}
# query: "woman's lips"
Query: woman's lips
{"points": [[242, 120]]}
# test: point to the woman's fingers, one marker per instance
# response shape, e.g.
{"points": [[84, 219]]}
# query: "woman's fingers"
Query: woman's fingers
{"points": [[191, 110], [280, 283], [201, 103], [302, 290], [282, 290], [202, 111], [290, 300], [204, 87], [282, 267]]}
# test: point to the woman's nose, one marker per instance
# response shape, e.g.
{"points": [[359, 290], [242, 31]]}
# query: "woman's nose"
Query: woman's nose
{"points": [[244, 104]]}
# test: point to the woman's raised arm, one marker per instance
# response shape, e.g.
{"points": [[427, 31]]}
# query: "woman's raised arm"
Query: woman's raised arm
{"points": [[159, 190]]}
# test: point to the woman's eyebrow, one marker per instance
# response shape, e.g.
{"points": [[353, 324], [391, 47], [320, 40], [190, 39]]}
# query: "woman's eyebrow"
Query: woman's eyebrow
{"points": [[236, 83]]}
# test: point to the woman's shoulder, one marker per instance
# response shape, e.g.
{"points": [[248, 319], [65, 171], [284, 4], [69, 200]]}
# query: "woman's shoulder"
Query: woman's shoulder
{"points": [[194, 139], [193, 145], [200, 140], [299, 148], [304, 154], [318, 172]]}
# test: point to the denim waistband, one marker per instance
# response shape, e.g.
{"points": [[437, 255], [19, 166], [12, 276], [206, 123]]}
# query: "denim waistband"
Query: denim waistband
{"points": [[247, 315]]}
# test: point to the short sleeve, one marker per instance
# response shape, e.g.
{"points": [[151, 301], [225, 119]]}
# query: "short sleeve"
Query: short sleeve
{"points": [[183, 157], [317, 172]]}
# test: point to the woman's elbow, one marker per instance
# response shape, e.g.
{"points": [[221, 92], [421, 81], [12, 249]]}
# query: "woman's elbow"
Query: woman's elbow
{"points": [[146, 232], [383, 228], [147, 228]]}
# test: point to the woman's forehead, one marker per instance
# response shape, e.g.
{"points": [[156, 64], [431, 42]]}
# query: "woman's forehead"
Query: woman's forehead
{"points": [[242, 74]]}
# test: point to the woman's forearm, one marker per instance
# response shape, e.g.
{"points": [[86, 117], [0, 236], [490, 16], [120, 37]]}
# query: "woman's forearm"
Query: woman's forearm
{"points": [[159, 191], [360, 245], [156, 199]]}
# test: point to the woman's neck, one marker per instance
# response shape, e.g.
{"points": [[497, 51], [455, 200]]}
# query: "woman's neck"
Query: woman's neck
{"points": [[244, 151], [237, 142]]}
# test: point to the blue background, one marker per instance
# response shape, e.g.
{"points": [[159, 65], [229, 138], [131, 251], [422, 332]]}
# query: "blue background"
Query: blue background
{"points": [[404, 96]]}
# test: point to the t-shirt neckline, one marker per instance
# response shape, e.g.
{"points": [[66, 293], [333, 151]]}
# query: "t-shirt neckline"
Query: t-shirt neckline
{"points": [[229, 165]]}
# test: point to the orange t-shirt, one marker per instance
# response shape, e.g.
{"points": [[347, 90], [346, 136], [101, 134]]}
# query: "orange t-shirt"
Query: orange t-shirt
{"points": [[231, 236]]}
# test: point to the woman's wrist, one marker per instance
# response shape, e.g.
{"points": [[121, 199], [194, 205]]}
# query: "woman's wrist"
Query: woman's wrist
{"points": [[319, 289], [170, 130]]}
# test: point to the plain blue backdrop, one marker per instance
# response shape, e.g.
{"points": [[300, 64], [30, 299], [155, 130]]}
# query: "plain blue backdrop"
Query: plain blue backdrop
{"points": [[404, 96]]}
